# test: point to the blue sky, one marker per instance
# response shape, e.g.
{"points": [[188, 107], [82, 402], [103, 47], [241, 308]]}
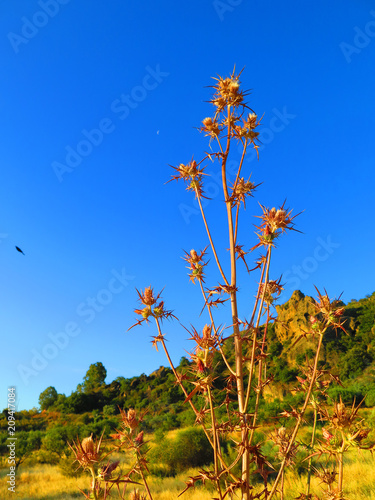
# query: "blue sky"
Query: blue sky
{"points": [[98, 98]]}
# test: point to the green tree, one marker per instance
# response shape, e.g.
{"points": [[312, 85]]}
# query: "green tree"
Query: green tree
{"points": [[56, 438], [94, 378], [79, 402], [61, 404], [27, 443], [109, 410], [355, 361], [47, 398]]}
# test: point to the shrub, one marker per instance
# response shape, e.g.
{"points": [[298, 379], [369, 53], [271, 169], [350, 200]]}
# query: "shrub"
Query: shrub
{"points": [[370, 398], [188, 449], [347, 394], [69, 467], [109, 410], [355, 361]]}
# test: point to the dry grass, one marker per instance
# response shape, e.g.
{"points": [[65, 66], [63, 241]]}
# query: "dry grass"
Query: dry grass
{"points": [[45, 482], [170, 488], [42, 482], [359, 479]]}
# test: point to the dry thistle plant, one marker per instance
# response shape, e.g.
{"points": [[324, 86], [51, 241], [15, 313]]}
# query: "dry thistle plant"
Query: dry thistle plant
{"points": [[233, 123], [105, 475], [90, 456], [249, 474]]}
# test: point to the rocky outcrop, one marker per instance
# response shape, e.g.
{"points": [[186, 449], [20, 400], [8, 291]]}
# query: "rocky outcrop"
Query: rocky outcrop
{"points": [[294, 316]]}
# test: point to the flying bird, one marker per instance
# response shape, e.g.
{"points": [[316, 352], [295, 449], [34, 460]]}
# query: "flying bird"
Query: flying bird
{"points": [[19, 250]]}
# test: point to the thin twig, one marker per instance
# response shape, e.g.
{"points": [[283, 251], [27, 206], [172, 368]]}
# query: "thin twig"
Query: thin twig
{"points": [[300, 417]]}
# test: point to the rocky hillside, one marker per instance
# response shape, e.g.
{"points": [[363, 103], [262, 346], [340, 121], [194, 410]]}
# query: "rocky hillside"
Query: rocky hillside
{"points": [[293, 316], [349, 355], [352, 353]]}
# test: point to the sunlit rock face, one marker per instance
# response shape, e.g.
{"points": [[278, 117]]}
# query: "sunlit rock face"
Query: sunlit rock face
{"points": [[294, 316]]}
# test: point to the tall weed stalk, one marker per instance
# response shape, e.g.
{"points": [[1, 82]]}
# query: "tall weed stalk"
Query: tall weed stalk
{"points": [[235, 125]]}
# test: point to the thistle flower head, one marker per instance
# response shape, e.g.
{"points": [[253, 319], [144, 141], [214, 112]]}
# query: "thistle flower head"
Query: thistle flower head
{"points": [[87, 452], [282, 438], [189, 171], [343, 418], [227, 92], [145, 312], [206, 333], [359, 435], [277, 220], [200, 366], [211, 127], [326, 434], [246, 130], [329, 312], [192, 174], [139, 439], [129, 419], [240, 190], [274, 223], [105, 471], [147, 297], [152, 309], [196, 264], [194, 256], [207, 340], [325, 475], [270, 289]]}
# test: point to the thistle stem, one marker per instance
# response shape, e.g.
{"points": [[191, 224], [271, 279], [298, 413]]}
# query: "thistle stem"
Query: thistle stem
{"points": [[233, 299], [93, 484], [260, 368], [312, 443], [216, 443], [299, 419], [252, 361], [241, 163], [145, 483], [185, 391], [340, 459], [214, 328]]}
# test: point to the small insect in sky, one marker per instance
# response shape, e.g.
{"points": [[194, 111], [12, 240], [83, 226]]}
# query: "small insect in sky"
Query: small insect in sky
{"points": [[19, 250]]}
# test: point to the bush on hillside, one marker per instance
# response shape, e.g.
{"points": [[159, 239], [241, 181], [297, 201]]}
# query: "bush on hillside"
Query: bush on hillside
{"points": [[188, 449]]}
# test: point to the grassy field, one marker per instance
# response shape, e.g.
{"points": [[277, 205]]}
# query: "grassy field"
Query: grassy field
{"points": [[45, 482], [359, 479]]}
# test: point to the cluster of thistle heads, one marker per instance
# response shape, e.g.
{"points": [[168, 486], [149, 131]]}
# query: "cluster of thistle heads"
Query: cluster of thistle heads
{"points": [[234, 120], [92, 456]]}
